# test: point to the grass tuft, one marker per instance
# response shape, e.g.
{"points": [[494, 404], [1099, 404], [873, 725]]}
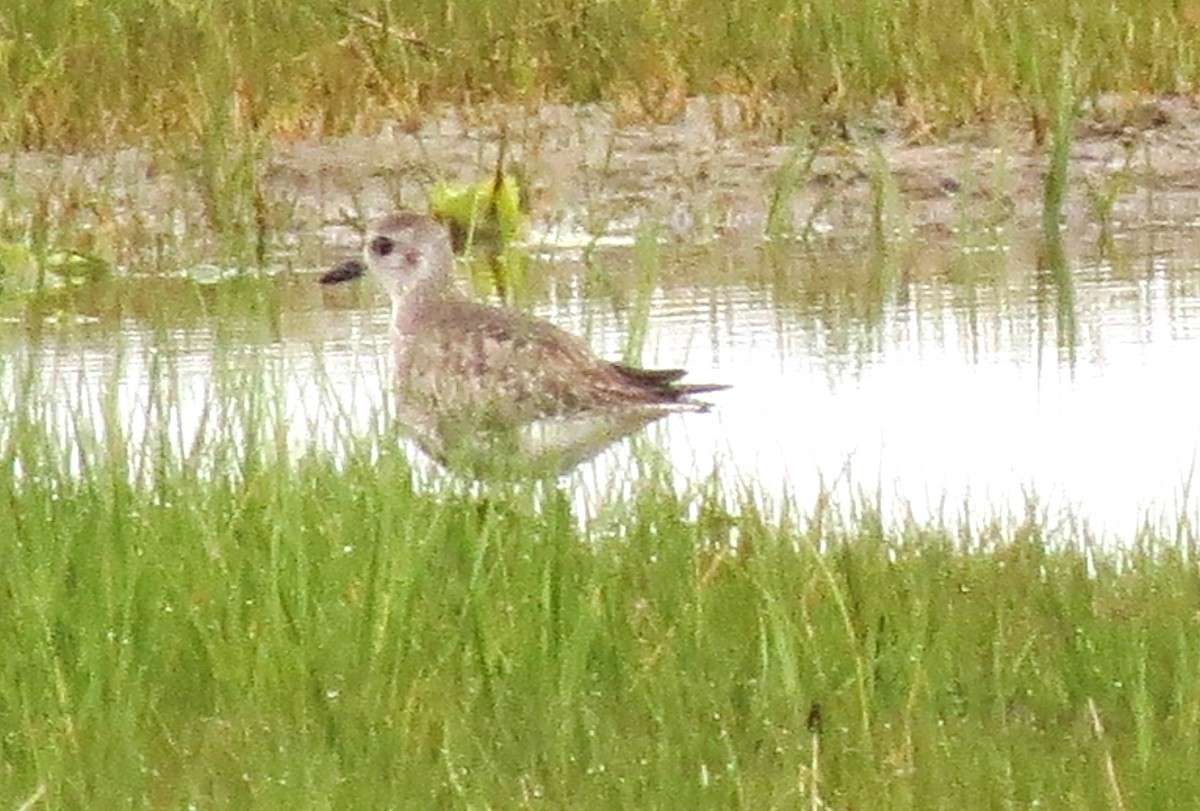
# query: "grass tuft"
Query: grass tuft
{"points": [[233, 621]]}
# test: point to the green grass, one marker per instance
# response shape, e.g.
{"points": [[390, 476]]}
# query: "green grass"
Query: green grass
{"points": [[78, 75], [247, 625], [234, 622], [207, 91], [1054, 273]]}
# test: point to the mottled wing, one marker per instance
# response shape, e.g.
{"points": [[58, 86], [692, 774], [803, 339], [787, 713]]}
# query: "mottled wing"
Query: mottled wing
{"points": [[505, 368]]}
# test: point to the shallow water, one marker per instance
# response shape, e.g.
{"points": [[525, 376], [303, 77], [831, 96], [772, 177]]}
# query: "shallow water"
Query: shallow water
{"points": [[942, 366], [944, 382]]}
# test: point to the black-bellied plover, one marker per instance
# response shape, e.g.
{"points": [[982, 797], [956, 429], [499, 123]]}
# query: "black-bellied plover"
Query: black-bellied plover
{"points": [[492, 392]]}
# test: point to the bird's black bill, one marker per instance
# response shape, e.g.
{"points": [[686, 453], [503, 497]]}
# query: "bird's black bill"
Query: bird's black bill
{"points": [[344, 272]]}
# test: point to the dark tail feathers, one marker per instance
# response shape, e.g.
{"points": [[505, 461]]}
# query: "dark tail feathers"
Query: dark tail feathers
{"points": [[664, 381]]}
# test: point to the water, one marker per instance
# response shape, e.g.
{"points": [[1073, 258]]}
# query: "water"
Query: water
{"points": [[969, 386], [916, 348]]}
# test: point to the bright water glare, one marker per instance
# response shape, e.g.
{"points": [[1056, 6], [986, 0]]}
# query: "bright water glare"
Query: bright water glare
{"points": [[938, 397]]}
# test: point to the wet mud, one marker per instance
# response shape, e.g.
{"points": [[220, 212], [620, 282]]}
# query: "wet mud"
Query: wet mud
{"points": [[702, 177]]}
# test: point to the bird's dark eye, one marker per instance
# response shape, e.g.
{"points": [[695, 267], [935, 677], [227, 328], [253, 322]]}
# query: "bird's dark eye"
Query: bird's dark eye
{"points": [[382, 246]]}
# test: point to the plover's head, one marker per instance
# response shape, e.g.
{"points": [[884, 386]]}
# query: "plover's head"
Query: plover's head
{"points": [[404, 252]]}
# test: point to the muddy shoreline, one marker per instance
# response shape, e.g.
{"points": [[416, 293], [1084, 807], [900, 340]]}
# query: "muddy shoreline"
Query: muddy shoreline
{"points": [[1133, 166], [698, 172]]}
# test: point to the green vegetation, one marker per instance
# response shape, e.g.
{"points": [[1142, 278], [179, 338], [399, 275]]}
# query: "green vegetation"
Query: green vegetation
{"points": [[486, 212], [230, 621], [83, 74], [1053, 272], [239, 624], [207, 90]]}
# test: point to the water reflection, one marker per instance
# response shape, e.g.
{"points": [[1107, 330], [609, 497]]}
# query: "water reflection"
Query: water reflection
{"points": [[918, 377], [1056, 292]]}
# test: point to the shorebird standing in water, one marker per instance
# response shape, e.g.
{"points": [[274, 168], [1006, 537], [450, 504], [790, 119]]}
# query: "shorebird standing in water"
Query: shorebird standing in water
{"points": [[492, 392]]}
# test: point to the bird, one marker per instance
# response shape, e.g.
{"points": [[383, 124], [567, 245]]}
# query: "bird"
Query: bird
{"points": [[491, 392]]}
